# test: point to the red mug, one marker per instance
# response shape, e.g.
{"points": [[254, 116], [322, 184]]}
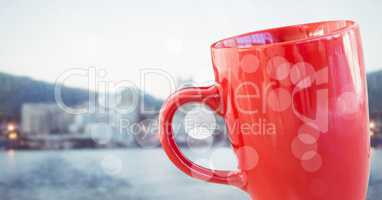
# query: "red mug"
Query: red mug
{"points": [[295, 105]]}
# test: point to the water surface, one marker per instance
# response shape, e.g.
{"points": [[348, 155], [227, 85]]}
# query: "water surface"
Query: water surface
{"points": [[132, 174]]}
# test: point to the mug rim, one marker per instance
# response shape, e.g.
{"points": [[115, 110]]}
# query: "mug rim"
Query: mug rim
{"points": [[350, 25]]}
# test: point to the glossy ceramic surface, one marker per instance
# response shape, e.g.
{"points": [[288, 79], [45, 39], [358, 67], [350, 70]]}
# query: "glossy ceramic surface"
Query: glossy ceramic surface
{"points": [[295, 104]]}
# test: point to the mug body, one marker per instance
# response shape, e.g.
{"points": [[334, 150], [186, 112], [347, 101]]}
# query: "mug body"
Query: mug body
{"points": [[294, 101]]}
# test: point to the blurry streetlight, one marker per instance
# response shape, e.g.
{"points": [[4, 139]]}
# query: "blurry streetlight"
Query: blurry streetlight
{"points": [[11, 127], [13, 136], [372, 128], [372, 125], [371, 132]]}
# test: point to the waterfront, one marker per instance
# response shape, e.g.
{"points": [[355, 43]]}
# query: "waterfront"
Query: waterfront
{"points": [[134, 174]]}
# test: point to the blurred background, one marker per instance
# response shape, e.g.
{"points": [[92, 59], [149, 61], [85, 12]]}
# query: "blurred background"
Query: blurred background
{"points": [[82, 83]]}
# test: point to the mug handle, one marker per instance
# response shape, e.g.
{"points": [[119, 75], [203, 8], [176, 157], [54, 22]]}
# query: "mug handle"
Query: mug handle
{"points": [[210, 97]]}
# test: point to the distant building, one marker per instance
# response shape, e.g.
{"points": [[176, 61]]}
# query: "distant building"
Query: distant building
{"points": [[117, 116], [42, 119], [112, 118]]}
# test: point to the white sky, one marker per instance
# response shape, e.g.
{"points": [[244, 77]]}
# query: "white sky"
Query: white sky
{"points": [[43, 38]]}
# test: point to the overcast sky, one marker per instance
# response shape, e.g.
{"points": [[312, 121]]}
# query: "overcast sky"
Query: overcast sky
{"points": [[43, 38]]}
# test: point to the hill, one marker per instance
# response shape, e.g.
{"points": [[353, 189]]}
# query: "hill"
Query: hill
{"points": [[374, 87], [16, 90]]}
